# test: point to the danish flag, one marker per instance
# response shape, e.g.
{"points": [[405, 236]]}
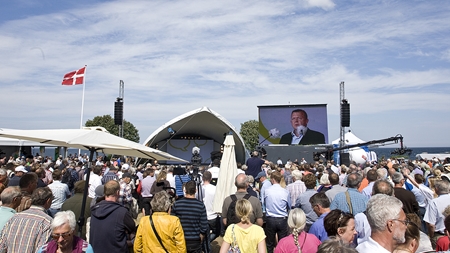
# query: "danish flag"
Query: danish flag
{"points": [[74, 77]]}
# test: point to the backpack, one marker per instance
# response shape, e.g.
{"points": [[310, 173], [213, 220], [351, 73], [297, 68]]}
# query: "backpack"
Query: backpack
{"points": [[231, 212], [68, 179]]}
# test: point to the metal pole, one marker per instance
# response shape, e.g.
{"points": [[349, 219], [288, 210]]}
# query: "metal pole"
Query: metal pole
{"points": [[342, 134], [121, 96]]}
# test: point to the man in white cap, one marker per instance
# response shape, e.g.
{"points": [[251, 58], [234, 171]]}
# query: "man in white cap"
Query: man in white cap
{"points": [[19, 172]]}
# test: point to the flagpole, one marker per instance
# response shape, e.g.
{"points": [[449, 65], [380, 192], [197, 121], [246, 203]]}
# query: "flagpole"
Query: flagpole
{"points": [[82, 103], [82, 98]]}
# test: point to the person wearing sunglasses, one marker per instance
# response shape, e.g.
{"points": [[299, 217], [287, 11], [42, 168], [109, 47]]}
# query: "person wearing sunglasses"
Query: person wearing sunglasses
{"points": [[63, 236]]}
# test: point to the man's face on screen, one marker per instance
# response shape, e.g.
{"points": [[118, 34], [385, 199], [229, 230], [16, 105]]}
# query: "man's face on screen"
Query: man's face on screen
{"points": [[298, 119]]}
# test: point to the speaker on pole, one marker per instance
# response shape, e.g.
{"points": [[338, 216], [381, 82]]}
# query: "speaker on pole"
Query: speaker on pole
{"points": [[118, 113], [345, 114]]}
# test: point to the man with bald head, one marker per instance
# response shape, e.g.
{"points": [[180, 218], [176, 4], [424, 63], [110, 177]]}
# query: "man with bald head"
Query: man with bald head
{"points": [[11, 198], [241, 183]]}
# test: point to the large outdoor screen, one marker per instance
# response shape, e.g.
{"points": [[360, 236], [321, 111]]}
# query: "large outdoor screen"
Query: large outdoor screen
{"points": [[293, 124]]}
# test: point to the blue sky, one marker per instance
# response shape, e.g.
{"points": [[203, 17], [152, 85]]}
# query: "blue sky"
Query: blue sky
{"points": [[176, 56]]}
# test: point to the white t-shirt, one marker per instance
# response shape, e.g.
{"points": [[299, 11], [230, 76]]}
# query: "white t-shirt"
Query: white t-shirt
{"points": [[94, 181], [371, 246], [214, 172], [209, 191]]}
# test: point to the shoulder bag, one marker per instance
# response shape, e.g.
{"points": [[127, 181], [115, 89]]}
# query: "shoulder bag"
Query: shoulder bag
{"points": [[157, 235]]}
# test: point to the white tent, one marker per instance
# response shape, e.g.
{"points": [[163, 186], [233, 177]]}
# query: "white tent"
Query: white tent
{"points": [[349, 139], [356, 154]]}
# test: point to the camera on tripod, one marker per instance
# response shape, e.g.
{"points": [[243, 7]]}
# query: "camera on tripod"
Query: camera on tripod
{"points": [[196, 159]]}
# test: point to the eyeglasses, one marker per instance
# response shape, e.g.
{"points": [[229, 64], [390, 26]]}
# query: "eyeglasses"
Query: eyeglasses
{"points": [[406, 221], [64, 235]]}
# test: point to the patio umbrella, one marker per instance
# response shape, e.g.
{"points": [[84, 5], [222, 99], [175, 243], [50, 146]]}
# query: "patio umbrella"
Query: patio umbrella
{"points": [[91, 138], [227, 174]]}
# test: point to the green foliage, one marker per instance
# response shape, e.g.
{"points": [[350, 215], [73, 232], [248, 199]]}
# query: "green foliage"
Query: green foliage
{"points": [[249, 132], [129, 130]]}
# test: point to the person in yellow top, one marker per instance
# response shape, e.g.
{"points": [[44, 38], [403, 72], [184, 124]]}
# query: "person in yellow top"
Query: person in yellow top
{"points": [[168, 228], [245, 235]]}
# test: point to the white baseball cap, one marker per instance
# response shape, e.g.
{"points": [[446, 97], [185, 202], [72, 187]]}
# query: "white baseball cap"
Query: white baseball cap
{"points": [[20, 169]]}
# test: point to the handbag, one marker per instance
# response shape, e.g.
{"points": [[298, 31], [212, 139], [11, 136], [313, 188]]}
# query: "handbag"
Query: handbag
{"points": [[234, 248], [157, 235]]}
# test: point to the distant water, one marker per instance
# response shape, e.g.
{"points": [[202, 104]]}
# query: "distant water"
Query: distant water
{"points": [[386, 152], [50, 151]]}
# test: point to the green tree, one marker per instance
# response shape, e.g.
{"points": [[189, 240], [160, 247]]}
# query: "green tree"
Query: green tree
{"points": [[249, 132], [129, 130]]}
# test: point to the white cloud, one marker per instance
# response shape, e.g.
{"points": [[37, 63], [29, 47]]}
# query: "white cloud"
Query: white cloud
{"points": [[324, 4], [177, 56]]}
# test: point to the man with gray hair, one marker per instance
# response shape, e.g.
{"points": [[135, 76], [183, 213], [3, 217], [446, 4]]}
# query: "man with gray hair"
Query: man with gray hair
{"points": [[381, 186], [11, 198], [434, 212], [26, 231], [297, 187], [388, 224]]}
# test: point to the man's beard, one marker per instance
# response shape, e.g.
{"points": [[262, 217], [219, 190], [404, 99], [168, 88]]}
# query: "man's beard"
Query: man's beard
{"points": [[399, 236]]}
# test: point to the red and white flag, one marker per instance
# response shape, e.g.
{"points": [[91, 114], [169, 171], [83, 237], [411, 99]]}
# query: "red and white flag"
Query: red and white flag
{"points": [[74, 77]]}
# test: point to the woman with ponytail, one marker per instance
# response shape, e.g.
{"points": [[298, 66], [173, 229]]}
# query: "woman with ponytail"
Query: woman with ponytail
{"points": [[299, 241], [244, 235]]}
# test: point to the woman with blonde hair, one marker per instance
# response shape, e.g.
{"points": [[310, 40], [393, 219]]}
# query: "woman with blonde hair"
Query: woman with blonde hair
{"points": [[244, 235], [298, 241], [160, 183], [436, 176]]}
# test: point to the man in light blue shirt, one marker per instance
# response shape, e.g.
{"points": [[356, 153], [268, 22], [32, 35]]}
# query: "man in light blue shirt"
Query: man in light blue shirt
{"points": [[262, 177], [278, 204], [357, 200], [11, 198], [321, 206]]}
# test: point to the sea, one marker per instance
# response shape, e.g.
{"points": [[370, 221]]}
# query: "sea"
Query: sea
{"points": [[381, 152], [386, 152], [54, 152]]}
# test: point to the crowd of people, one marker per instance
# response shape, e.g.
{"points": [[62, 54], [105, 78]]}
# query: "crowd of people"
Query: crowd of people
{"points": [[390, 206]]}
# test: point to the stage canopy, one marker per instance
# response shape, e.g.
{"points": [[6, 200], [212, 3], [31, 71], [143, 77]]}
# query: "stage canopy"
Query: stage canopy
{"points": [[203, 128]]}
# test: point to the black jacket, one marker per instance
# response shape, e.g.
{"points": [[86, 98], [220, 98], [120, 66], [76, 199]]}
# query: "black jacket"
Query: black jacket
{"points": [[110, 225], [311, 137]]}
